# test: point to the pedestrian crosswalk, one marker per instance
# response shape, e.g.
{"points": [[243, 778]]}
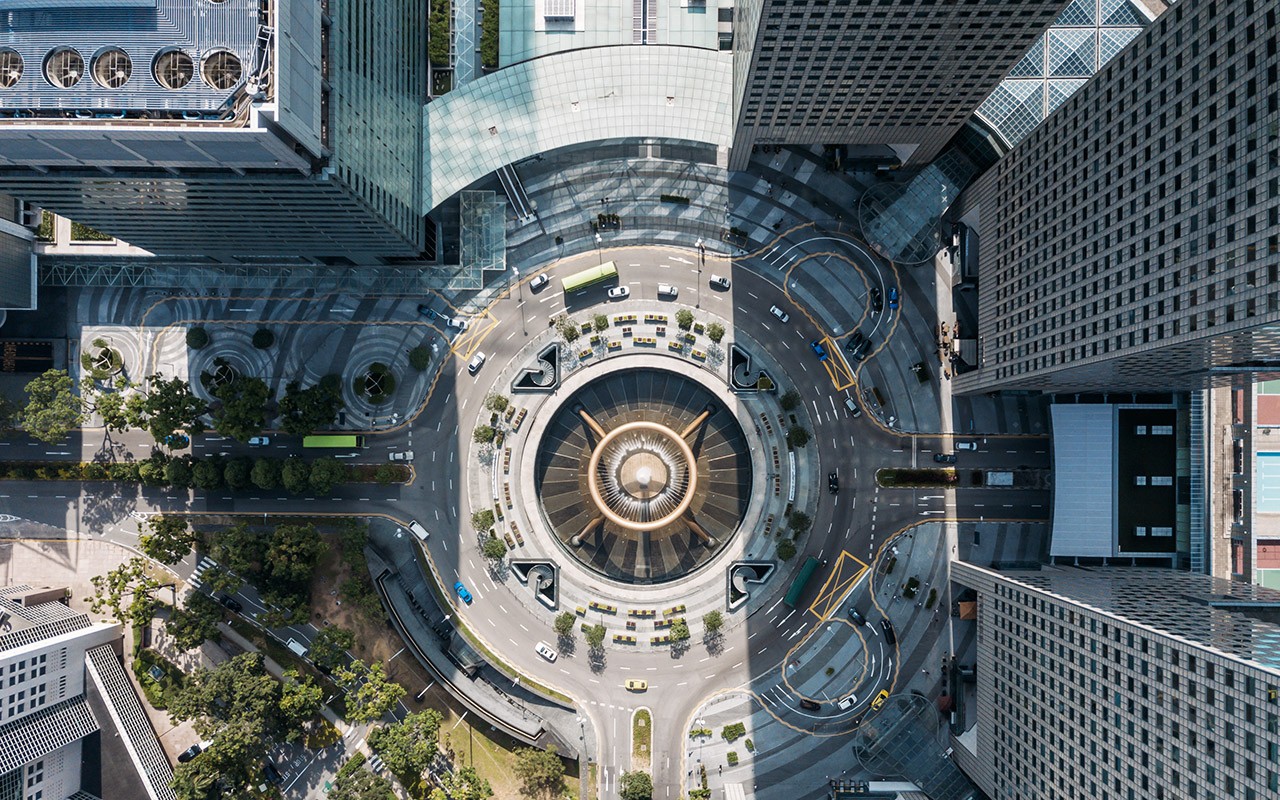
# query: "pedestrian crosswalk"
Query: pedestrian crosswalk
{"points": [[205, 564]]}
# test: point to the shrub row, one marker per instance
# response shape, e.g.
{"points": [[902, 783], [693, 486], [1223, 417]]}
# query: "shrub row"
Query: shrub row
{"points": [[132, 471]]}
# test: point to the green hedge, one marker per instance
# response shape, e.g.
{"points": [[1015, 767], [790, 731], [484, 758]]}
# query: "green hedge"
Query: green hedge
{"points": [[438, 26], [83, 233], [130, 472], [354, 763], [489, 35]]}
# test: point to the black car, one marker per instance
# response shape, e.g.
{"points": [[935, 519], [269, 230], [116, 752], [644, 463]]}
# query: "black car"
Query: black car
{"points": [[889, 635], [426, 311], [833, 482], [856, 340], [856, 616], [809, 705], [273, 774], [945, 458], [230, 603], [190, 753], [877, 301]]}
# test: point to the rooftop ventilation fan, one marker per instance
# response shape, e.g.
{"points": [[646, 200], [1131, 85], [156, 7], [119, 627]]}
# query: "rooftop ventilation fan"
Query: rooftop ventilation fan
{"points": [[112, 68], [10, 68], [173, 69], [221, 69], [64, 67]]}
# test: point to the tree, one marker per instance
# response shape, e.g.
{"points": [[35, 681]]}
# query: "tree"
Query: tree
{"points": [[790, 400], [420, 357], [369, 693], [293, 554], [567, 328], [679, 630], [191, 626], [497, 403], [483, 434], [220, 580], [408, 747], [595, 636], [786, 549], [465, 784], [715, 332], [263, 338], [799, 522], [327, 473], [237, 471], [600, 322], [305, 410], [684, 319], [329, 647], [169, 540], [482, 520], [265, 473], [300, 701], [177, 472], [493, 548], [386, 474], [207, 473], [132, 581], [52, 410], [110, 405], [244, 407], [541, 772], [565, 623], [152, 471], [360, 784], [295, 475], [197, 338], [10, 414], [167, 407], [238, 548], [797, 436], [712, 621], [635, 785]]}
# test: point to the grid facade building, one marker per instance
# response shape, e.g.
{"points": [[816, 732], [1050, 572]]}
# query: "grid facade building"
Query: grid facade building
{"points": [[1090, 687], [1132, 241], [906, 73]]}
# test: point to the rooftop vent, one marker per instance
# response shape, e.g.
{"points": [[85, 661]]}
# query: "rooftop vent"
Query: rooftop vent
{"points": [[63, 67], [173, 69], [10, 68], [112, 68], [221, 69]]}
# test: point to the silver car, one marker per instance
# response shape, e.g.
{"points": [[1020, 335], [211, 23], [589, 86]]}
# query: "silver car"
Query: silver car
{"points": [[780, 314], [544, 650]]}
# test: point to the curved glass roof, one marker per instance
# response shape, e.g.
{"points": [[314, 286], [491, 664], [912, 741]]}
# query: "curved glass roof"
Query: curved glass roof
{"points": [[1086, 35]]}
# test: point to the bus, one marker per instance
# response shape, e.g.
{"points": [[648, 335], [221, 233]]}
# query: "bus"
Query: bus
{"points": [[335, 442], [802, 580], [590, 277]]}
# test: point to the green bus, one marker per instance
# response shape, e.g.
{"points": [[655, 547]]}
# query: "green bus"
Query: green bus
{"points": [[802, 580], [590, 277], [335, 442]]}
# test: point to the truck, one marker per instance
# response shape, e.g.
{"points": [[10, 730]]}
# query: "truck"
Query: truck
{"points": [[297, 647]]}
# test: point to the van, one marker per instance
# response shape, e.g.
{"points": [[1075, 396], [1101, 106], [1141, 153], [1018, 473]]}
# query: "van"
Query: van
{"points": [[852, 405], [418, 530], [667, 289], [298, 649]]}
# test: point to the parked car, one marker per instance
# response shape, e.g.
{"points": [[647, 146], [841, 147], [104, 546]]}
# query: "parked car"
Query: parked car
{"points": [[856, 616], [543, 649], [455, 322], [833, 482], [966, 445], [477, 361], [463, 594], [780, 314], [669, 290], [542, 280], [273, 774], [260, 441], [879, 701], [407, 455], [889, 635], [893, 298], [855, 340], [230, 603], [636, 685], [810, 705], [945, 458], [877, 301], [190, 753], [818, 350], [719, 282], [619, 293], [426, 311], [847, 702]]}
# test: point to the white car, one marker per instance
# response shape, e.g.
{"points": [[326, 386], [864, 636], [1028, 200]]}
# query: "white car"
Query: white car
{"points": [[668, 289], [966, 445], [779, 313], [456, 322], [407, 455], [619, 292], [719, 281], [847, 702], [544, 650], [260, 441], [476, 363], [540, 281]]}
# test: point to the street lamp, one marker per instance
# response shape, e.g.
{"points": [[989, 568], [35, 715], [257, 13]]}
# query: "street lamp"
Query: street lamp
{"points": [[599, 252], [515, 272], [702, 259]]}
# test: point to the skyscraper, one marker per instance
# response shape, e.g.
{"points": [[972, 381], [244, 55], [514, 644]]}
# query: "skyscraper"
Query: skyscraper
{"points": [[1132, 241], [1113, 683], [903, 73], [228, 130]]}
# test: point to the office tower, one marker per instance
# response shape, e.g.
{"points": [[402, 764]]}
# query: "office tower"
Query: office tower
{"points": [[17, 256], [904, 73], [1131, 241], [70, 724], [1115, 683], [233, 130]]}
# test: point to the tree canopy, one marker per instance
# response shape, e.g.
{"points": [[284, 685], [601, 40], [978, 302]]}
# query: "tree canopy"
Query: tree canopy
{"points": [[466, 784], [52, 409], [369, 693], [191, 626], [169, 538], [305, 410], [126, 592], [541, 773], [360, 784], [244, 407], [408, 747], [329, 647], [635, 785], [167, 407]]}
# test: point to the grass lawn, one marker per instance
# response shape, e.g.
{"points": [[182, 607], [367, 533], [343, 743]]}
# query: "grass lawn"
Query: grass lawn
{"points": [[641, 742]]}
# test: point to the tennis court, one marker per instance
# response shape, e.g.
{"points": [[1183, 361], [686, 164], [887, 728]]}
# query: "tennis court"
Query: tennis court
{"points": [[1267, 483]]}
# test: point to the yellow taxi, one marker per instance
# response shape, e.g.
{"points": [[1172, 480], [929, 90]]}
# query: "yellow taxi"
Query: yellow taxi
{"points": [[879, 701], [637, 685]]}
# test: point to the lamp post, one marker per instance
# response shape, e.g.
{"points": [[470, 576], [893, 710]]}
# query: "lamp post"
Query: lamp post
{"points": [[702, 260], [599, 252], [515, 272]]}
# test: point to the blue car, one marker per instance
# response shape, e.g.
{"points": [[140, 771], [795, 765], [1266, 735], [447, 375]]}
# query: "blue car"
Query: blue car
{"points": [[176, 441], [893, 298], [463, 594], [819, 350]]}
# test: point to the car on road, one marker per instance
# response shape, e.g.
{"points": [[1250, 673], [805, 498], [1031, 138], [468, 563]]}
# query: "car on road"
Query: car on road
{"points": [[877, 301], [833, 482], [847, 702], [619, 292], [636, 685], [668, 290], [858, 345], [889, 635], [879, 701], [819, 350], [945, 458], [540, 281], [856, 616], [780, 314], [426, 311], [719, 282], [273, 774], [852, 405], [176, 441], [407, 455], [893, 298], [462, 592], [193, 751], [543, 649], [230, 603], [810, 705], [477, 361], [260, 441], [966, 445], [455, 322]]}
